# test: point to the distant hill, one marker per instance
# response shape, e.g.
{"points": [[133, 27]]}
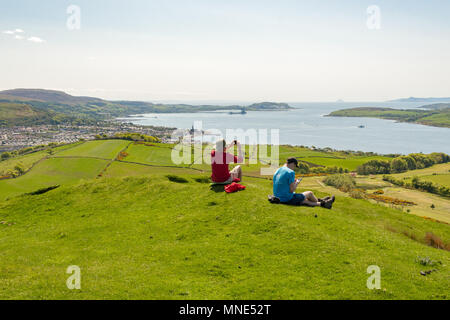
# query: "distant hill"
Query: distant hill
{"points": [[59, 106], [47, 96], [413, 99]]}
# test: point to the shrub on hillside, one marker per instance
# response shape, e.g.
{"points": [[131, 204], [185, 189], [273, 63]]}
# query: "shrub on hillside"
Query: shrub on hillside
{"points": [[343, 182], [19, 152], [422, 161], [434, 241], [399, 165], [20, 169], [357, 194], [328, 170], [302, 167], [374, 167], [5, 155], [135, 137], [439, 157]]}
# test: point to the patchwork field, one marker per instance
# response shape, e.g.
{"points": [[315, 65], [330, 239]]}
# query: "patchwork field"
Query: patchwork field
{"points": [[106, 149], [136, 234], [26, 161], [51, 172]]}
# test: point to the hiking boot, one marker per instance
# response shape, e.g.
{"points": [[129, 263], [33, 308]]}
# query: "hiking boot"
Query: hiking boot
{"points": [[327, 204], [273, 199], [323, 199], [332, 199]]}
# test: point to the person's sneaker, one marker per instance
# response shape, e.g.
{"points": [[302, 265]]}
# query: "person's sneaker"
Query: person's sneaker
{"points": [[327, 204], [333, 198]]}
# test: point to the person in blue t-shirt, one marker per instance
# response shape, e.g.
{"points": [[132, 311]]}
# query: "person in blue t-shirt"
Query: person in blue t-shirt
{"points": [[285, 184]]}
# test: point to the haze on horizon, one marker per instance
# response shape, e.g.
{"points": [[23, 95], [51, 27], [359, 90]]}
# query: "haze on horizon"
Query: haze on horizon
{"points": [[228, 50]]}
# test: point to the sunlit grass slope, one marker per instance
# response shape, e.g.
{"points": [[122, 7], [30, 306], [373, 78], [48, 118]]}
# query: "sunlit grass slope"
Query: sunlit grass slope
{"points": [[136, 234], [150, 238]]}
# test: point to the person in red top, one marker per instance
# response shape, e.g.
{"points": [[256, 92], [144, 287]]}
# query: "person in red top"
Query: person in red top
{"points": [[220, 160]]}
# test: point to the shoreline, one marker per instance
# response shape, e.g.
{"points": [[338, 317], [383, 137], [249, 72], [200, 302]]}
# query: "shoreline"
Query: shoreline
{"points": [[318, 146]]}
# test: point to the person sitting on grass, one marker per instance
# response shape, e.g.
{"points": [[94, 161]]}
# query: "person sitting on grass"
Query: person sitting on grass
{"points": [[220, 160], [285, 184]]}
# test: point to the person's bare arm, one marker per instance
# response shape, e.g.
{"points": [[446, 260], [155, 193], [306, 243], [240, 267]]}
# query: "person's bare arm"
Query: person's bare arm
{"points": [[293, 186], [230, 146], [240, 157], [240, 153]]}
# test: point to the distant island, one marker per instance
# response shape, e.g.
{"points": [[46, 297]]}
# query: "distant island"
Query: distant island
{"points": [[424, 100], [39, 106], [437, 115]]}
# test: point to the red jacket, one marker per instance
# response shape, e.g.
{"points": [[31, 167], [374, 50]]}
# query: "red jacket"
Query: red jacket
{"points": [[234, 187]]}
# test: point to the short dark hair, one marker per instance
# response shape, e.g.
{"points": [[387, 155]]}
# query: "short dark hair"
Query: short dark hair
{"points": [[292, 160]]}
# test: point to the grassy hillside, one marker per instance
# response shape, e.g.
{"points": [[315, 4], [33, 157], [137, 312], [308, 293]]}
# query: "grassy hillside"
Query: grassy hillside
{"points": [[21, 114], [138, 235], [16, 113], [434, 117], [37, 106]]}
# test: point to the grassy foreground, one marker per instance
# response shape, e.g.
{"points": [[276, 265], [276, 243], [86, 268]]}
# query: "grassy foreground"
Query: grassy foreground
{"points": [[137, 235]]}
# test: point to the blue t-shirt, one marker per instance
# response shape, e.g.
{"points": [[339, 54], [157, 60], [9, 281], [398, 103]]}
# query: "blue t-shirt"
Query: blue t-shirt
{"points": [[282, 180]]}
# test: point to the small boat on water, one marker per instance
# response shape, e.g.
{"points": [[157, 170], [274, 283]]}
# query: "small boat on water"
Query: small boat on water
{"points": [[240, 112]]}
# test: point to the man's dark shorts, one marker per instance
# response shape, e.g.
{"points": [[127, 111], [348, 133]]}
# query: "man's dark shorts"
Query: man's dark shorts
{"points": [[296, 200]]}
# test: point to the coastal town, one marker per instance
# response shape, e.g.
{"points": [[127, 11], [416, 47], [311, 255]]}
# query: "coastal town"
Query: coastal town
{"points": [[19, 137]]}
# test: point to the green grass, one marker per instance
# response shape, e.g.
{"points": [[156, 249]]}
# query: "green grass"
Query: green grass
{"points": [[123, 169], [51, 172], [157, 154], [138, 233], [440, 179], [26, 161], [106, 149], [136, 238]]}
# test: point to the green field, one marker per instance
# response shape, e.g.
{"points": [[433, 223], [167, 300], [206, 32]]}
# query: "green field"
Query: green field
{"points": [[154, 154], [26, 161], [137, 235], [51, 172], [438, 174], [440, 179], [106, 149]]}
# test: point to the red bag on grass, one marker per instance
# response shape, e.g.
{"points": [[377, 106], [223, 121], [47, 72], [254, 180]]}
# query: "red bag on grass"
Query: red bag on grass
{"points": [[234, 187]]}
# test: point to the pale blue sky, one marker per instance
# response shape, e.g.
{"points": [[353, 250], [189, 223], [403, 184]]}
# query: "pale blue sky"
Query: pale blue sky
{"points": [[228, 50]]}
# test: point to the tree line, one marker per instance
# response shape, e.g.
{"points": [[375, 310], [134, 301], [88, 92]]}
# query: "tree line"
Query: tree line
{"points": [[418, 184], [400, 164]]}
